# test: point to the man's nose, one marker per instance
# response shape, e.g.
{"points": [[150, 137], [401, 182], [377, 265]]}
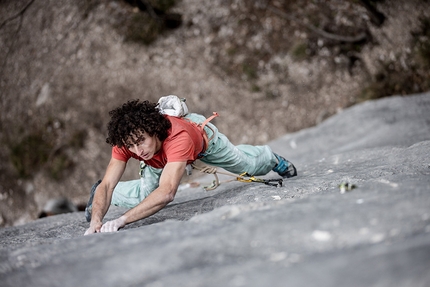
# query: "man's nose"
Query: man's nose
{"points": [[135, 149]]}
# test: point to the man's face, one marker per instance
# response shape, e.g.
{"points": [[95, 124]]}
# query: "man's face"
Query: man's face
{"points": [[144, 146]]}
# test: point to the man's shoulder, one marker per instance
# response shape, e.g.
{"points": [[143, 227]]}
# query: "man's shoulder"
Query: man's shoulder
{"points": [[176, 120], [180, 124]]}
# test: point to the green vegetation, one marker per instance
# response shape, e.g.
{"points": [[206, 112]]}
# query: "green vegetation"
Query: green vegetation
{"points": [[163, 5], [255, 88], [231, 51], [299, 51], [150, 21], [43, 149], [58, 166], [272, 95], [395, 79], [143, 29], [421, 41], [77, 140], [88, 6], [249, 71], [29, 154]]}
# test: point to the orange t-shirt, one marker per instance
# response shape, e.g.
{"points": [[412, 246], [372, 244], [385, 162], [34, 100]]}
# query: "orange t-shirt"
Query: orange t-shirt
{"points": [[183, 143]]}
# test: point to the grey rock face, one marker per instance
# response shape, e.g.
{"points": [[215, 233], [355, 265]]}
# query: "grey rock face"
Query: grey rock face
{"points": [[306, 233]]}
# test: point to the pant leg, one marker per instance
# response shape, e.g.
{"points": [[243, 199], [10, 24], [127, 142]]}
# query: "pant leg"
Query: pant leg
{"points": [[131, 193], [255, 160]]}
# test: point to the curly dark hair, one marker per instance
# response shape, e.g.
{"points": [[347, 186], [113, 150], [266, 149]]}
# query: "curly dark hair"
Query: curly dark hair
{"points": [[133, 118]]}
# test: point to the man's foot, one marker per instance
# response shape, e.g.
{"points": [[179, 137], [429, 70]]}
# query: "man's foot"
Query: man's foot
{"points": [[284, 168], [89, 207]]}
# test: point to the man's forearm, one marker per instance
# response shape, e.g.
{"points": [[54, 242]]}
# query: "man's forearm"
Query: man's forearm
{"points": [[156, 201], [147, 207], [101, 204]]}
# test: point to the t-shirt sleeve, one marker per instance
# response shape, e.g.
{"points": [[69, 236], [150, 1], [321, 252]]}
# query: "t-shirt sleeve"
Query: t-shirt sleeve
{"points": [[120, 154]]}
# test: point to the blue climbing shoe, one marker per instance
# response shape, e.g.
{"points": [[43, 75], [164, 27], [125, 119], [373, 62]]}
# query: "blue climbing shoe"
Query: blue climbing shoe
{"points": [[89, 207], [284, 168]]}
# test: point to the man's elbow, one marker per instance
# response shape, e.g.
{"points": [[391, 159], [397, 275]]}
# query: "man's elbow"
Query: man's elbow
{"points": [[168, 198], [166, 194]]}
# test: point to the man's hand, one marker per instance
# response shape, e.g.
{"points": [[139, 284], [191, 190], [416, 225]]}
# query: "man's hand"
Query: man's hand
{"points": [[156, 200], [103, 194], [94, 228], [114, 225]]}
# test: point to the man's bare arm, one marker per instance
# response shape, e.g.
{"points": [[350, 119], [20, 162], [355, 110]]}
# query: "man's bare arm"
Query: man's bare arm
{"points": [[156, 200], [103, 194]]}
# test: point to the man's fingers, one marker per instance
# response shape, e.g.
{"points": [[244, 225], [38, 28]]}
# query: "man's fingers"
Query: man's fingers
{"points": [[106, 227], [90, 231], [94, 228], [113, 225], [110, 226]]}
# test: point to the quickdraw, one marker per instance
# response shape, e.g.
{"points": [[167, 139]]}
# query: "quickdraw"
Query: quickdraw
{"points": [[245, 177]]}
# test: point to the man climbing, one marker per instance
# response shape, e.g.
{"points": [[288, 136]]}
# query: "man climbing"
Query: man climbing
{"points": [[165, 138]]}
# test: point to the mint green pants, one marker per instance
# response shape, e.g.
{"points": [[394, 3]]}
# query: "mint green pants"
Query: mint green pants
{"points": [[255, 160]]}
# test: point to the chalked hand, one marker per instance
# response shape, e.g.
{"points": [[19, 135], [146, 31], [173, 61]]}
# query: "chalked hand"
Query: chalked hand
{"points": [[113, 225]]}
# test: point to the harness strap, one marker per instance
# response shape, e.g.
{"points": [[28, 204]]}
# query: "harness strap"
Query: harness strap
{"points": [[205, 136], [202, 125]]}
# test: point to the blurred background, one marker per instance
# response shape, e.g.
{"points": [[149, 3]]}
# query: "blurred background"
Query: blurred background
{"points": [[267, 67]]}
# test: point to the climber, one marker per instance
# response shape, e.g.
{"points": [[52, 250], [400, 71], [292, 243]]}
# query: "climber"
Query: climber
{"points": [[165, 138]]}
